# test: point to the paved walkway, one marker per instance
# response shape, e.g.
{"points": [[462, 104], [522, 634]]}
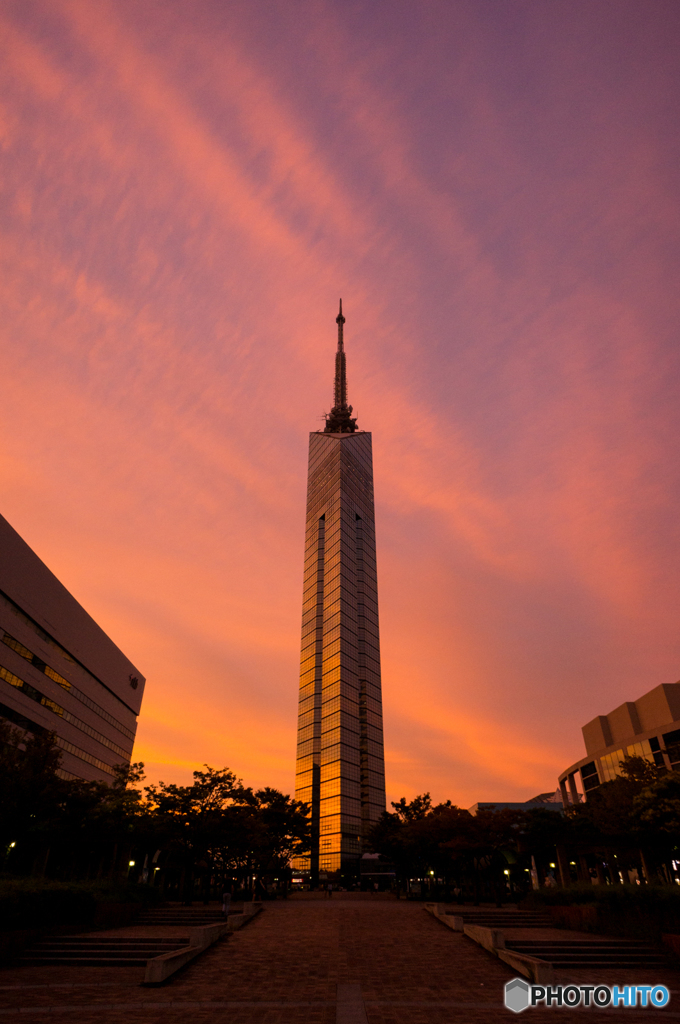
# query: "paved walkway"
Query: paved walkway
{"points": [[316, 962]]}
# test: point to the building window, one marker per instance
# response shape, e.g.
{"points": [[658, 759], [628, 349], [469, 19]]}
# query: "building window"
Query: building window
{"points": [[589, 776], [30, 726], [611, 763], [65, 685], [40, 698], [672, 743]]}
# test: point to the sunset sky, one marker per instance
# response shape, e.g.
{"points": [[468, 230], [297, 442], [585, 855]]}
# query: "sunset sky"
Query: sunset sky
{"points": [[492, 188]]}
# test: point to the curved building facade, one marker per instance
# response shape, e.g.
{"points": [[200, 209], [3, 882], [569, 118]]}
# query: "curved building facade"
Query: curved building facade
{"points": [[648, 727]]}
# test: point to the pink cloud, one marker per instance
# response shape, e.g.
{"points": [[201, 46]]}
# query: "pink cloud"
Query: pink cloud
{"points": [[185, 201]]}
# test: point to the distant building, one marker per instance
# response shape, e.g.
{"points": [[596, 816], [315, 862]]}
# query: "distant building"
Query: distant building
{"points": [[376, 871], [59, 672], [340, 768], [648, 727], [547, 801]]}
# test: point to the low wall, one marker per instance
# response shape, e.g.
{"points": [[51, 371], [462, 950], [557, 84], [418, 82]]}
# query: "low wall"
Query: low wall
{"points": [[535, 970], [161, 968], [236, 921], [490, 938], [580, 917], [493, 940], [164, 966], [452, 921]]}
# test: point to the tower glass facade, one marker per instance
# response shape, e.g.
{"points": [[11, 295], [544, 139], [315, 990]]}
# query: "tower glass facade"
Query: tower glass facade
{"points": [[340, 771]]}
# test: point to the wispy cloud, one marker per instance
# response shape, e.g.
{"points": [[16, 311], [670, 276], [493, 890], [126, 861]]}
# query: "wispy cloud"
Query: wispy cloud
{"points": [[186, 196]]}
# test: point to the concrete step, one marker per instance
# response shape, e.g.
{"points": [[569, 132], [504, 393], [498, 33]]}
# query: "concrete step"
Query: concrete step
{"points": [[180, 915], [591, 954], [99, 952], [120, 950], [504, 919], [180, 912], [215, 908], [181, 922], [466, 911], [184, 911], [104, 943], [84, 961], [506, 925], [575, 953], [573, 963], [606, 943]]}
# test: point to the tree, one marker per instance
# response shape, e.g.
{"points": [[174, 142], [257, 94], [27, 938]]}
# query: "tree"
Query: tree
{"points": [[190, 820], [392, 835], [30, 789], [264, 832], [612, 819], [657, 806], [656, 810], [418, 808], [216, 829], [210, 831], [424, 841], [480, 851], [284, 830]]}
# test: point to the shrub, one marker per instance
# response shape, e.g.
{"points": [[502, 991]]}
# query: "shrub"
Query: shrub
{"points": [[611, 896], [626, 910], [36, 903]]}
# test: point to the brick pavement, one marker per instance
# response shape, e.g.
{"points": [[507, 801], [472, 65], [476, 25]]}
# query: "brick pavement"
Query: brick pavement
{"points": [[317, 962]]}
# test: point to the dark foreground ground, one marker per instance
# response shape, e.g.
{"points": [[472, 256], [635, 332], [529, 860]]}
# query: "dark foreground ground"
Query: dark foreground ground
{"points": [[311, 962]]}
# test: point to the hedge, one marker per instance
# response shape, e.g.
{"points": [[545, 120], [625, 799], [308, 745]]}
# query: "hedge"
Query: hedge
{"points": [[612, 896], [634, 911], [36, 903]]}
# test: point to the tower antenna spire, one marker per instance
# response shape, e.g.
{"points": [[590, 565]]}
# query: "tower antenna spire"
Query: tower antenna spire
{"points": [[340, 320], [339, 420]]}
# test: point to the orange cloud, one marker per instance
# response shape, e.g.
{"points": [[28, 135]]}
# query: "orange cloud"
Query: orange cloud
{"points": [[185, 199]]}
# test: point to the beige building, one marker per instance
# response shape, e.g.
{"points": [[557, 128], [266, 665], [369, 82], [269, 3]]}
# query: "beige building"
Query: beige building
{"points": [[648, 727]]}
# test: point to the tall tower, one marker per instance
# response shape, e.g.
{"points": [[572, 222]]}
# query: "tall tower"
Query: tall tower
{"points": [[340, 769]]}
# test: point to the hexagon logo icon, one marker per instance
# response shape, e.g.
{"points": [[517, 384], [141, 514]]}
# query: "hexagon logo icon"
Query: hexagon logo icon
{"points": [[517, 995]]}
